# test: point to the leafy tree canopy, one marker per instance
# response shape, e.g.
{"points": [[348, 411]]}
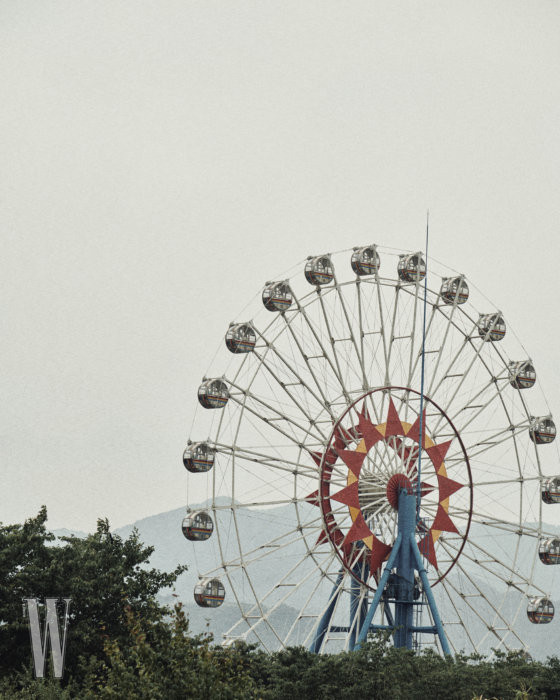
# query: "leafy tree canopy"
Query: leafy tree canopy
{"points": [[122, 643]]}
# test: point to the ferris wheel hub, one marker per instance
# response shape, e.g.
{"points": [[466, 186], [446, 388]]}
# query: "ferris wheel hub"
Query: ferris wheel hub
{"points": [[395, 485]]}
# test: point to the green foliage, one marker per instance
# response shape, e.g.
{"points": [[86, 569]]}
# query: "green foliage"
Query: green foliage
{"points": [[123, 644], [102, 574]]}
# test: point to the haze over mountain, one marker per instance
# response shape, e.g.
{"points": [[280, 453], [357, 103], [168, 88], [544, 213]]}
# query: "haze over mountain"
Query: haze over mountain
{"points": [[163, 532]]}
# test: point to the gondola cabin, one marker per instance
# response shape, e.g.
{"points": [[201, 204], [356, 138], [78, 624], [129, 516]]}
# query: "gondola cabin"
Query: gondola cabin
{"points": [[454, 290], [542, 430], [277, 296], [209, 593], [198, 457], [213, 393], [411, 268], [540, 611], [240, 338], [319, 270], [550, 491], [549, 551], [522, 374], [491, 327], [197, 526], [365, 261]]}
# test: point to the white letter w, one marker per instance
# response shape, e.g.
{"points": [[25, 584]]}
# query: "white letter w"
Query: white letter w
{"points": [[38, 645]]}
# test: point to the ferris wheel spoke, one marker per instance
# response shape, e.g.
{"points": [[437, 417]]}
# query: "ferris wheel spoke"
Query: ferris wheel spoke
{"points": [[302, 614], [433, 390], [333, 597], [333, 340], [412, 340], [483, 564], [272, 421], [465, 628], [281, 463], [359, 355], [481, 407], [492, 606], [434, 306], [255, 504], [331, 627], [407, 371], [450, 324], [510, 569], [504, 482], [498, 523], [272, 546], [392, 336], [466, 598], [297, 403], [319, 342], [462, 379], [272, 346], [490, 441], [361, 327], [278, 415], [264, 616], [382, 328], [293, 335]]}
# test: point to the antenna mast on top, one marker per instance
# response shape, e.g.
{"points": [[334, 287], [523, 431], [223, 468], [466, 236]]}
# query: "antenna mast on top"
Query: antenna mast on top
{"points": [[422, 426]]}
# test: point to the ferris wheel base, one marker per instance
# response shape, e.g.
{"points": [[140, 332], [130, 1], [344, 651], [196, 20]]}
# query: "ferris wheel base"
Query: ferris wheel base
{"points": [[394, 589], [406, 557]]}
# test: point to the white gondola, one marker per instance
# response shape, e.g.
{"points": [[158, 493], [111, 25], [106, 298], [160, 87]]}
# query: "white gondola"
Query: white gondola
{"points": [[549, 551], [491, 327], [540, 611], [198, 457], [411, 268], [542, 430], [240, 338], [319, 270], [197, 526], [213, 393], [454, 290], [209, 593], [365, 261], [522, 374], [550, 491], [277, 296]]}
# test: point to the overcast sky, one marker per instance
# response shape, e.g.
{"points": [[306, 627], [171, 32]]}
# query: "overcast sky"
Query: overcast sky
{"points": [[162, 160]]}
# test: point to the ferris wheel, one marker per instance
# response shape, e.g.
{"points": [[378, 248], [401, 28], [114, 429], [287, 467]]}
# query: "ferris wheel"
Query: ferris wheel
{"points": [[321, 428]]}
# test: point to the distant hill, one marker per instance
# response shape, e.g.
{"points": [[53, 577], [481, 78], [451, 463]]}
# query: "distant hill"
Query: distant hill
{"points": [[163, 532]]}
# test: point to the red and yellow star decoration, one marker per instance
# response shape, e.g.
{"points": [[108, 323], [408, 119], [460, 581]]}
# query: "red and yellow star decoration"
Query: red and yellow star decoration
{"points": [[366, 434]]}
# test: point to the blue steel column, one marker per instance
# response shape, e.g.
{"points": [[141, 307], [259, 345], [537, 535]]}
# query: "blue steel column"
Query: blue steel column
{"points": [[358, 612], [406, 557], [430, 596], [379, 592], [405, 572], [325, 621]]}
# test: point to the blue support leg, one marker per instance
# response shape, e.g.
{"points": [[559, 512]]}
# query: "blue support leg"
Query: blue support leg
{"points": [[406, 557], [379, 592], [405, 574], [358, 612], [325, 621], [430, 596]]}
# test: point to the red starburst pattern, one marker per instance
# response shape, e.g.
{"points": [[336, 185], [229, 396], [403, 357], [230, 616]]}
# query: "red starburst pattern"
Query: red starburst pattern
{"points": [[351, 446]]}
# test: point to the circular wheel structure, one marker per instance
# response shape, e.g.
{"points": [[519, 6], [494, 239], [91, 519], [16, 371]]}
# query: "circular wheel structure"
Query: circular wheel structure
{"points": [[314, 428]]}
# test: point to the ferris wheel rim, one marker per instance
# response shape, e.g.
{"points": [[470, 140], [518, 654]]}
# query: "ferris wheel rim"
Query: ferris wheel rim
{"points": [[326, 500], [335, 290]]}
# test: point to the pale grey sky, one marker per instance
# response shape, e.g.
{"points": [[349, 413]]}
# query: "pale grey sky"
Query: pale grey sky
{"points": [[161, 160]]}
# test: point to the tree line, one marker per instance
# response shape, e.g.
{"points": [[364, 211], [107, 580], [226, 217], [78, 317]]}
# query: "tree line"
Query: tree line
{"points": [[122, 643]]}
